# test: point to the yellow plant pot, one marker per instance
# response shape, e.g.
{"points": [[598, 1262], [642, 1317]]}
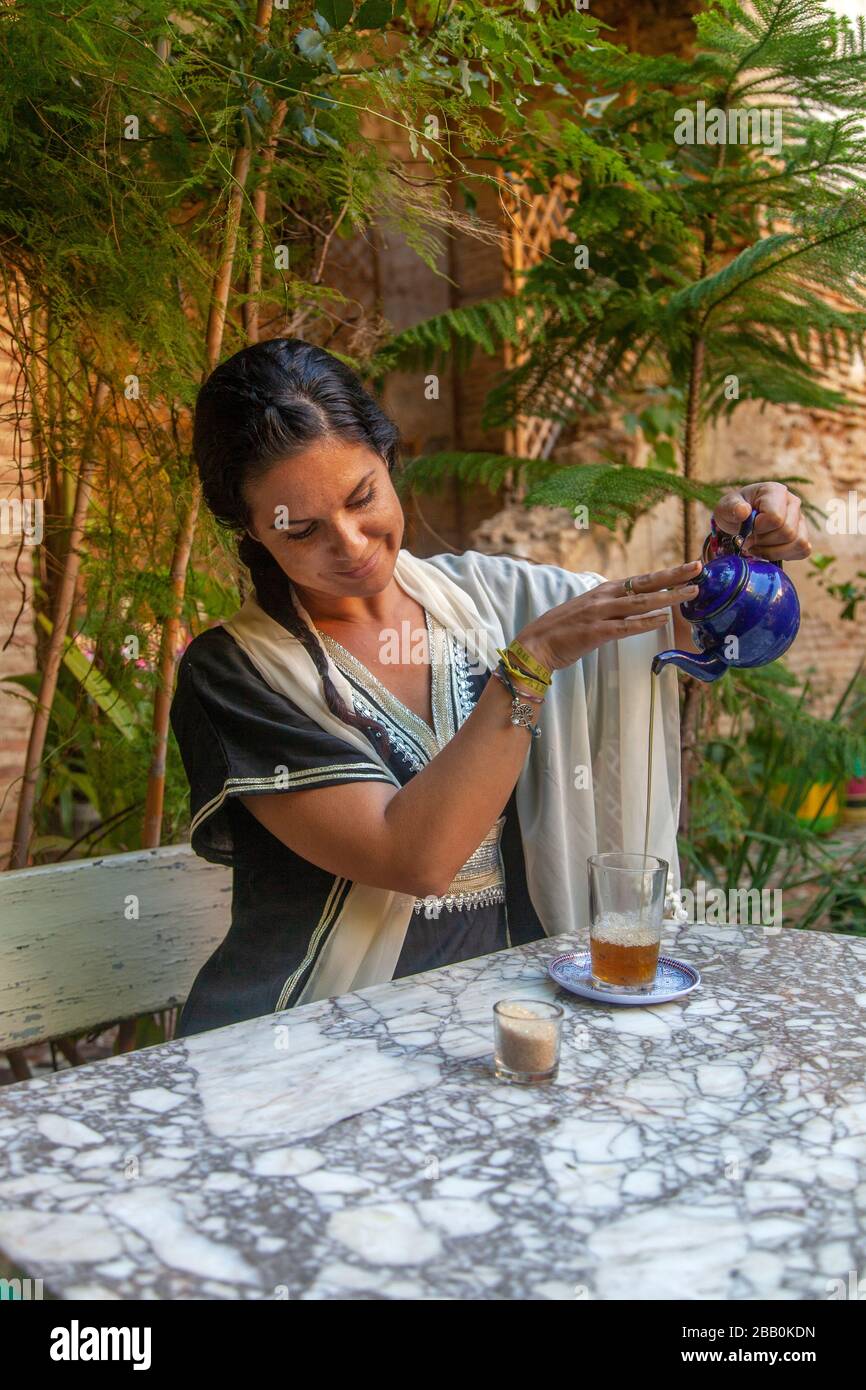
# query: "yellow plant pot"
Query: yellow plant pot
{"points": [[812, 803]]}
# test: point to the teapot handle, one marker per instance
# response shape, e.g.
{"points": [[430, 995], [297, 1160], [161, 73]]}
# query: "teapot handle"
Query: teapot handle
{"points": [[721, 543], [745, 531]]}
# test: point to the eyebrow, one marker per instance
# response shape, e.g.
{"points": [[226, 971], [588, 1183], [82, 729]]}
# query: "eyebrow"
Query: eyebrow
{"points": [[302, 521]]}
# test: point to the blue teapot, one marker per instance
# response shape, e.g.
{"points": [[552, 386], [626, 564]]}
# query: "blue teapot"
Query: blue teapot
{"points": [[746, 612]]}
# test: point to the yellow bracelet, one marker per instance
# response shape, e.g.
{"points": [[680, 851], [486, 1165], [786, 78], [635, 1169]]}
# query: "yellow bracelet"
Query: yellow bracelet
{"points": [[538, 686], [529, 661], [515, 666], [515, 670]]}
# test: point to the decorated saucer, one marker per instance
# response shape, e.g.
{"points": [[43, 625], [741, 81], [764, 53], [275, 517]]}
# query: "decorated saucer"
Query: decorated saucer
{"points": [[674, 978]]}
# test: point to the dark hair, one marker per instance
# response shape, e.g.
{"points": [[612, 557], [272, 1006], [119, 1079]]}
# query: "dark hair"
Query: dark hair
{"points": [[262, 405]]}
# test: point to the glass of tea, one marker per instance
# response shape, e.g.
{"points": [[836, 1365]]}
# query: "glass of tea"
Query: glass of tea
{"points": [[626, 903]]}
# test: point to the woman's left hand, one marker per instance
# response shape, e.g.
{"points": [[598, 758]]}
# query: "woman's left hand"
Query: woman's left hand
{"points": [[780, 530]]}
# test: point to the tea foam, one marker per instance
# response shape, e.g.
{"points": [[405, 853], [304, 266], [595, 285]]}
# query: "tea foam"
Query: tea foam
{"points": [[624, 929]]}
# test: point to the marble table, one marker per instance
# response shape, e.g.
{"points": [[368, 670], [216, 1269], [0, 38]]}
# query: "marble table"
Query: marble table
{"points": [[360, 1147]]}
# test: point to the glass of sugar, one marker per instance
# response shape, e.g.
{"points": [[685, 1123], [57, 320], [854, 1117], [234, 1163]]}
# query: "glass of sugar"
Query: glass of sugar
{"points": [[526, 1036], [626, 906]]}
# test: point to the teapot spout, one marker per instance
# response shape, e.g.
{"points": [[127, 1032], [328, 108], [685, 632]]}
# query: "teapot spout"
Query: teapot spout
{"points": [[702, 665]]}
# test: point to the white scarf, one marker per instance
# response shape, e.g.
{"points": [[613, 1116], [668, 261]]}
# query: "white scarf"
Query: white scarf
{"points": [[582, 789]]}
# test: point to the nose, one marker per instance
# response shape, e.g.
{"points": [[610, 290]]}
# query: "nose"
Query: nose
{"points": [[350, 545]]}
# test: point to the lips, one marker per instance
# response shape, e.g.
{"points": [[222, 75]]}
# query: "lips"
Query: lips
{"points": [[362, 569]]}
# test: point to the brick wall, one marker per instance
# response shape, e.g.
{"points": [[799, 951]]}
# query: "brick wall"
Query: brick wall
{"points": [[17, 655]]}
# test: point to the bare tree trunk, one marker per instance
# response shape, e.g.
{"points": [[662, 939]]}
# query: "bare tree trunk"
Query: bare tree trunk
{"points": [[689, 740], [54, 654], [185, 535], [257, 231], [692, 688], [692, 441], [693, 691], [167, 658], [254, 279]]}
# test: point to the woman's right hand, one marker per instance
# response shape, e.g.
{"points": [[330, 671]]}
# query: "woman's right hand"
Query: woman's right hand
{"points": [[604, 614]]}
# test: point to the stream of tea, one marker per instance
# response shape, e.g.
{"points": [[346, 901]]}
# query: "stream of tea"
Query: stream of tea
{"points": [[649, 763], [649, 792]]}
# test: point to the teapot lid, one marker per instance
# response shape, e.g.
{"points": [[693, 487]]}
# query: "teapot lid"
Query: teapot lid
{"points": [[718, 583], [725, 571]]}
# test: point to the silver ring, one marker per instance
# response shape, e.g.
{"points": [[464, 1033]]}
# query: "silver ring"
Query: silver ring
{"points": [[629, 585]]}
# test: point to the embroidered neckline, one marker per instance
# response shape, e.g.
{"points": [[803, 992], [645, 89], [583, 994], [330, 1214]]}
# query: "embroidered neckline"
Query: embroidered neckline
{"points": [[432, 737]]}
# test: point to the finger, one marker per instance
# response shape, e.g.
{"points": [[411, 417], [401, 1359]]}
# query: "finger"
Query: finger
{"points": [[660, 579], [784, 534], [635, 604], [648, 622], [731, 511], [770, 500], [795, 550]]}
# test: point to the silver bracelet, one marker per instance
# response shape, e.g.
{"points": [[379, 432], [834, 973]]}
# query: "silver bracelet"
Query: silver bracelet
{"points": [[520, 710]]}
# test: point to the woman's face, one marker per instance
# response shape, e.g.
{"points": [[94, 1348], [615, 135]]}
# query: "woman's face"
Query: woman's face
{"points": [[327, 511]]}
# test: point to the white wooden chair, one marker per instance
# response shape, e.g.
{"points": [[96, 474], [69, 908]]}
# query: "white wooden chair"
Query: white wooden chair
{"points": [[99, 940]]}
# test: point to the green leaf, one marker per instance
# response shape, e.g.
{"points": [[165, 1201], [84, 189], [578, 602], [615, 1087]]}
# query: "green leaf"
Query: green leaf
{"points": [[337, 13], [373, 14], [664, 456], [95, 684], [49, 844]]}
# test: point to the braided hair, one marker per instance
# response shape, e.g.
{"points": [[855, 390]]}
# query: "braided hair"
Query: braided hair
{"points": [[256, 409]]}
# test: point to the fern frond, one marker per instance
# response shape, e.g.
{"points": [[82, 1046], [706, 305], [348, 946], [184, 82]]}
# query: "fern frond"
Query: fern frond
{"points": [[613, 492], [428, 473], [453, 337]]}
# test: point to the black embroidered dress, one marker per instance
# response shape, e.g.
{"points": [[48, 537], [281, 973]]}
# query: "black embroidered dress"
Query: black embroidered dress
{"points": [[239, 737]]}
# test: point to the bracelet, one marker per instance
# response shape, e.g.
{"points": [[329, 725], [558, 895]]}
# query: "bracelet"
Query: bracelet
{"points": [[518, 661], [524, 694], [512, 656], [540, 687], [533, 666], [520, 712]]}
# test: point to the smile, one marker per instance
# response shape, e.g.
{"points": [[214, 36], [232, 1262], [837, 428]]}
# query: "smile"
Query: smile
{"points": [[362, 570]]}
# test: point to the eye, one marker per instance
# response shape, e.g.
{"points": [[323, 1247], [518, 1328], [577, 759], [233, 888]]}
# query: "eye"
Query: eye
{"points": [[302, 535]]}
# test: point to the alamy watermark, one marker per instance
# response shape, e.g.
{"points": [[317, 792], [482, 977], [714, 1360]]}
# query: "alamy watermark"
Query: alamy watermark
{"points": [[846, 516], [402, 647], [852, 1290], [23, 517], [719, 907], [14, 1289], [737, 125]]}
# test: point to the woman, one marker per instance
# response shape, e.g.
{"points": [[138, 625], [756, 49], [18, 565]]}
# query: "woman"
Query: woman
{"points": [[357, 737]]}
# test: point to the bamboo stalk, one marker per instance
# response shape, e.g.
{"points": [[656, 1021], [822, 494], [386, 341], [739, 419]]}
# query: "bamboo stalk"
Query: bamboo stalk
{"points": [[54, 652], [185, 535]]}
